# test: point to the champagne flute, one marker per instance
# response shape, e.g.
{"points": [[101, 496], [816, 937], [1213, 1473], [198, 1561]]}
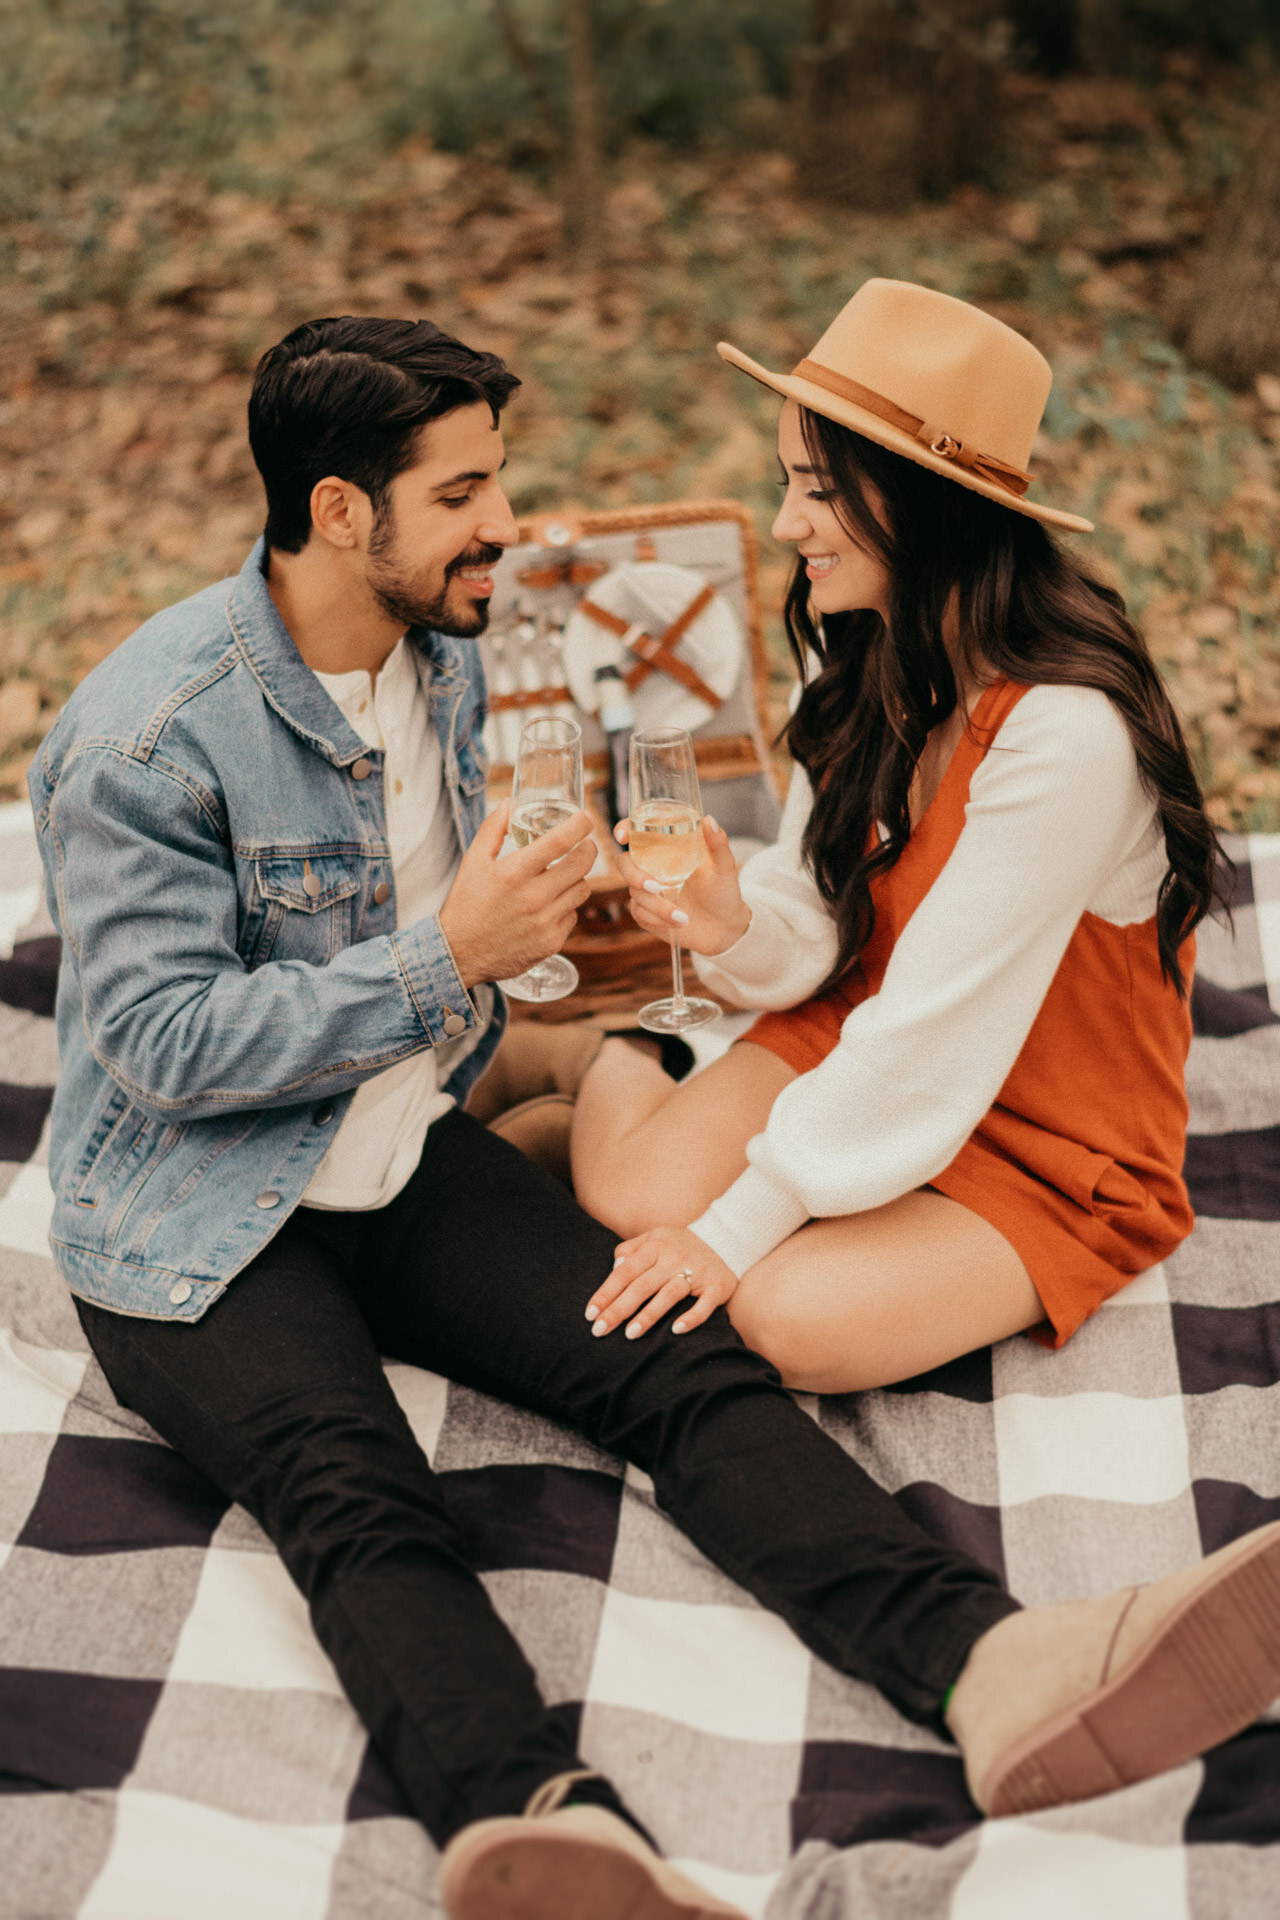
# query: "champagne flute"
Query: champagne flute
{"points": [[546, 789], [666, 842]]}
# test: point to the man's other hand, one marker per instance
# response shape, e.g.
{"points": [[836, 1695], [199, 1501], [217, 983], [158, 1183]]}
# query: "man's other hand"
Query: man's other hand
{"points": [[503, 915]]}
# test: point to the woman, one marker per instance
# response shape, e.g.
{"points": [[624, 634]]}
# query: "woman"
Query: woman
{"points": [[963, 1113]]}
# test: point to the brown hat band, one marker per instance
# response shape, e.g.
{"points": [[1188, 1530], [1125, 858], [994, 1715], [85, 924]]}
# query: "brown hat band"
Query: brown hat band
{"points": [[1013, 479]]}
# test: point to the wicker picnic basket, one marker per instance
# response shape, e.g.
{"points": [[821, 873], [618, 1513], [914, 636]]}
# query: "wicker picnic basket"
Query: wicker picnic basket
{"points": [[660, 604]]}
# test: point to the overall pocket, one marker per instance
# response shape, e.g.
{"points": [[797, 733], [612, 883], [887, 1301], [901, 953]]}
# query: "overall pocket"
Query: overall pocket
{"points": [[1095, 1181]]}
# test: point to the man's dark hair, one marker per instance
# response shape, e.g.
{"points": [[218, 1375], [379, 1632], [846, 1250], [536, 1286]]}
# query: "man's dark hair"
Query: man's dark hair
{"points": [[349, 397]]}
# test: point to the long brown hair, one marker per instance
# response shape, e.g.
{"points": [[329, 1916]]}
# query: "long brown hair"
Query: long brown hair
{"points": [[1026, 609]]}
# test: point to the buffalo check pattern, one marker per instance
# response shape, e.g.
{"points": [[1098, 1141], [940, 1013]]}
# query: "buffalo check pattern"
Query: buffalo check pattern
{"points": [[173, 1741]]}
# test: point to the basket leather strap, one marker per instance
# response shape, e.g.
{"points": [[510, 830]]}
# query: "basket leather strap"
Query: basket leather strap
{"points": [[659, 654], [562, 573], [530, 697]]}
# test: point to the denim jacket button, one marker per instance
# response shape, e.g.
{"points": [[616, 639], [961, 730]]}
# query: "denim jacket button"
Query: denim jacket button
{"points": [[180, 1294], [381, 893], [320, 1118], [361, 769], [454, 1024], [268, 1199]]}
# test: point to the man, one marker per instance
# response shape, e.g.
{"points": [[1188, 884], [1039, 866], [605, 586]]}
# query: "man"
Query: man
{"points": [[282, 912]]}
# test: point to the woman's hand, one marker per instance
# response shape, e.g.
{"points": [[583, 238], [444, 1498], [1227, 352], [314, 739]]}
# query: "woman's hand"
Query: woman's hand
{"points": [[651, 1274], [711, 914]]}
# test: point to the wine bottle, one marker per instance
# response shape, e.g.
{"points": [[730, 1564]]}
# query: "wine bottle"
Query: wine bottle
{"points": [[616, 720]]}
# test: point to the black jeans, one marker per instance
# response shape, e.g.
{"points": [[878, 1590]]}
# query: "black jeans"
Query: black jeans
{"points": [[480, 1269]]}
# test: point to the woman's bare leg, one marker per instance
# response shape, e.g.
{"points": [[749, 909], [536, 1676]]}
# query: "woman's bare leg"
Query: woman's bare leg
{"points": [[650, 1152], [871, 1298], [843, 1304]]}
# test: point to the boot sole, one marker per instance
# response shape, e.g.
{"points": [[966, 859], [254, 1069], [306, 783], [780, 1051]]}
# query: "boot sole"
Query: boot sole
{"points": [[1204, 1675], [529, 1872]]}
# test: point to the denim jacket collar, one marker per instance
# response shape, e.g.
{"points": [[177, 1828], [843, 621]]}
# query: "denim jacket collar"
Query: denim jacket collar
{"points": [[287, 681]]}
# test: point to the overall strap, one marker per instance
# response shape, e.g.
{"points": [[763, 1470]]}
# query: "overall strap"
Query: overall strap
{"points": [[995, 704]]}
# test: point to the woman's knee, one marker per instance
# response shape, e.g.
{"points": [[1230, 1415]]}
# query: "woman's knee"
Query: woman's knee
{"points": [[611, 1195], [814, 1349], [776, 1334]]}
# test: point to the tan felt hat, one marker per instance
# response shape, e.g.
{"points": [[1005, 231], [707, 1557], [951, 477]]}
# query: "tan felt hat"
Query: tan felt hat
{"points": [[931, 378]]}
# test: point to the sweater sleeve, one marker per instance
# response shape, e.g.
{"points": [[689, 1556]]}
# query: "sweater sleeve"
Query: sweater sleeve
{"points": [[1054, 809], [790, 945]]}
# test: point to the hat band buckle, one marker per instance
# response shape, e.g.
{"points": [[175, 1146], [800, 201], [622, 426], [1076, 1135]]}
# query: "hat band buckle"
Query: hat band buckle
{"points": [[999, 472]]}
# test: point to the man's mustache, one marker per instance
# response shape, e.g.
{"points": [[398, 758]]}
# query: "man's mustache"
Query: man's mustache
{"points": [[479, 557]]}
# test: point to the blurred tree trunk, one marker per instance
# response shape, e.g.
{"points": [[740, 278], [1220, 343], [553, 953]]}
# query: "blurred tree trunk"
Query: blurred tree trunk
{"points": [[584, 184], [526, 63], [1048, 33], [898, 98], [1234, 327]]}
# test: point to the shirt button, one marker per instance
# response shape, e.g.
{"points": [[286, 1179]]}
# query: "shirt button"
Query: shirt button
{"points": [[320, 1118], [180, 1294], [361, 769], [268, 1199], [310, 885], [454, 1024], [381, 894]]}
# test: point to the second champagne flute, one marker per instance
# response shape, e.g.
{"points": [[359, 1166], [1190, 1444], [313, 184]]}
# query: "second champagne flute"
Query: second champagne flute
{"points": [[666, 842], [546, 789]]}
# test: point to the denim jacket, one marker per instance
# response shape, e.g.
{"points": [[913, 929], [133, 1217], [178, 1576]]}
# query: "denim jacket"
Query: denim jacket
{"points": [[216, 860]]}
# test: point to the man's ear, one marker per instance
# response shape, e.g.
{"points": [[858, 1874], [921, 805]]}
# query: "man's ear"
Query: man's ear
{"points": [[341, 512]]}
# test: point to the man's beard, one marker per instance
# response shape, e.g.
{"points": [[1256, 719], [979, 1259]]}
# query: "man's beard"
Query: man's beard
{"points": [[399, 597]]}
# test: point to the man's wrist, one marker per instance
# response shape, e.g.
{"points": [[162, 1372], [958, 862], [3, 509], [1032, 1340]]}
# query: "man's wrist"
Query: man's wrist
{"points": [[465, 963]]}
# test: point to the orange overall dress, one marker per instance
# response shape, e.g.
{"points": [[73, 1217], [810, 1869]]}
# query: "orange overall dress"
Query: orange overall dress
{"points": [[1079, 1161]]}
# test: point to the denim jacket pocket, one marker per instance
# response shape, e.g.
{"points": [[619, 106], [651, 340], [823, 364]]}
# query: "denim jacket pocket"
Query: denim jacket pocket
{"points": [[114, 1130], [123, 1147], [302, 907]]}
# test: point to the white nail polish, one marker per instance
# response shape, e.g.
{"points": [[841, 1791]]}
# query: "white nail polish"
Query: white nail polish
{"points": [[634, 1331], [598, 1327], [679, 919], [593, 1312], [651, 886], [678, 1326]]}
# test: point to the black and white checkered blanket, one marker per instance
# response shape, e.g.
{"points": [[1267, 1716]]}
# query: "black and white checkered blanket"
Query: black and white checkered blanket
{"points": [[174, 1745]]}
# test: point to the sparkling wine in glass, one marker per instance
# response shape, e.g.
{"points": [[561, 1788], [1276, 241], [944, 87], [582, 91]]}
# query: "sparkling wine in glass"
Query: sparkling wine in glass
{"points": [[666, 842], [546, 790]]}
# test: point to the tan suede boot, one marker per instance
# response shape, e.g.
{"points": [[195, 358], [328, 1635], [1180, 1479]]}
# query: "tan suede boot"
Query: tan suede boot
{"points": [[533, 1059], [1057, 1704], [566, 1863]]}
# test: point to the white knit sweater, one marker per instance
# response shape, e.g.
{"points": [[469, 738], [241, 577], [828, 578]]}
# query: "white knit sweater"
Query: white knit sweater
{"points": [[1057, 824]]}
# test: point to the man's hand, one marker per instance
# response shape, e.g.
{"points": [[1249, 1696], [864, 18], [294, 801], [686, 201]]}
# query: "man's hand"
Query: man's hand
{"points": [[502, 916]]}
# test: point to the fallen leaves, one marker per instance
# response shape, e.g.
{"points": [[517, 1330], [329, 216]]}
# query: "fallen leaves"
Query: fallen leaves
{"points": [[132, 318]]}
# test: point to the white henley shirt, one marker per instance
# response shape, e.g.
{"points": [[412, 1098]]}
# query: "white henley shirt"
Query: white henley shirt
{"points": [[379, 1142]]}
